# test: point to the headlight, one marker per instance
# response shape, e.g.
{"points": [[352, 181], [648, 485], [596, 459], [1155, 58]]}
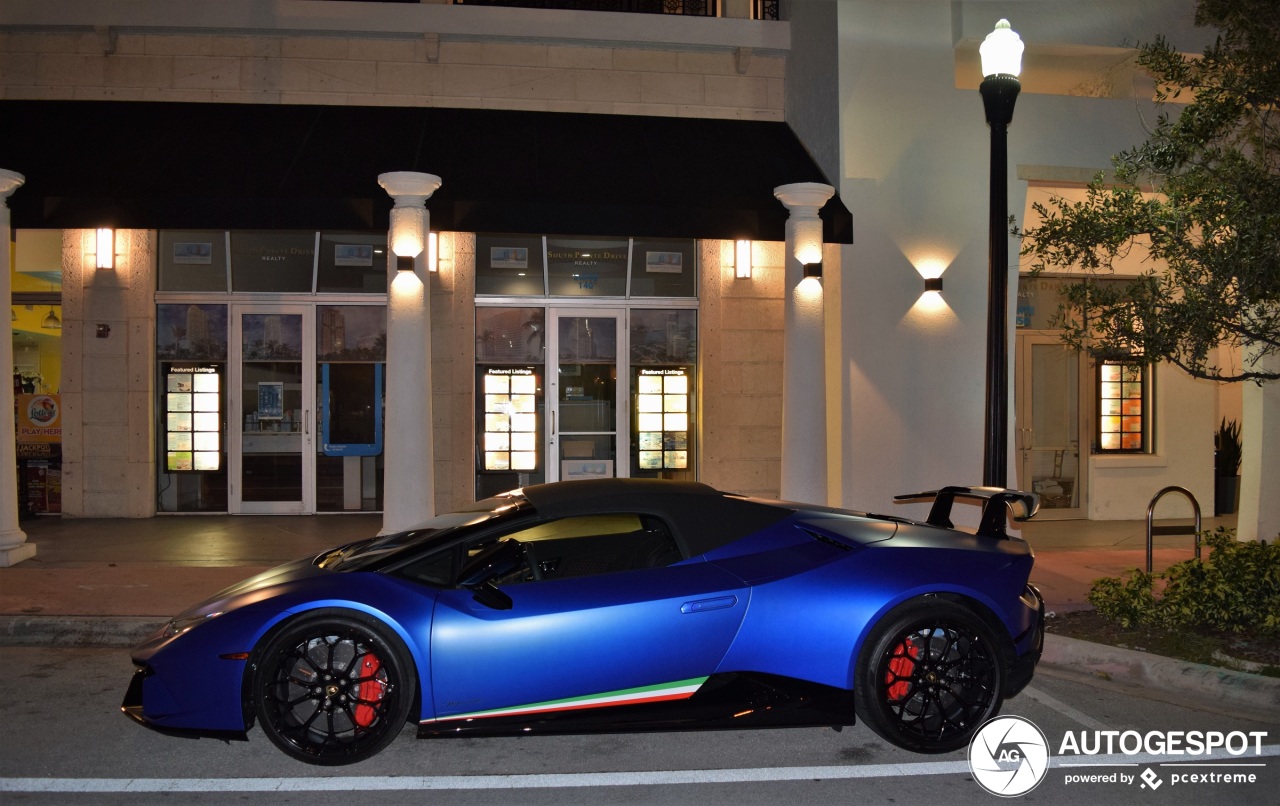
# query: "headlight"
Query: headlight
{"points": [[180, 625]]}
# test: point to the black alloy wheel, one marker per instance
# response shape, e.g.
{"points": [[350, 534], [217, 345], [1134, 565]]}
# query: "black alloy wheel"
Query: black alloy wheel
{"points": [[333, 689], [928, 676]]}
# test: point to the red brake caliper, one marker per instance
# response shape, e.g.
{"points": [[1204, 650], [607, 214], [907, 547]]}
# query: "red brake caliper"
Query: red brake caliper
{"points": [[372, 690], [901, 665]]}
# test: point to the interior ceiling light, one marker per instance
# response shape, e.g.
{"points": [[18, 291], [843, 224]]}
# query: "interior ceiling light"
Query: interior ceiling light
{"points": [[51, 321]]}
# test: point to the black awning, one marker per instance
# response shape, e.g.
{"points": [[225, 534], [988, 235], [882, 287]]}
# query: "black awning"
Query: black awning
{"points": [[263, 166]]}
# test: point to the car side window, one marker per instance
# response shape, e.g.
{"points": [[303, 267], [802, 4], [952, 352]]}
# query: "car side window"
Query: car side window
{"points": [[578, 546], [587, 545]]}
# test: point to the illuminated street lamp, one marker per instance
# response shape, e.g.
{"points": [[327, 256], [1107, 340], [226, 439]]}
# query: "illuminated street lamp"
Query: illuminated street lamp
{"points": [[1001, 55]]}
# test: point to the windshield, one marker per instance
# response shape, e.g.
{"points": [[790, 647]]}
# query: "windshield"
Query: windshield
{"points": [[361, 555]]}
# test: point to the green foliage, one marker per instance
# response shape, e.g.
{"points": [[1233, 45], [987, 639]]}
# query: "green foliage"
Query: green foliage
{"points": [[1127, 601], [1202, 196], [1237, 588]]}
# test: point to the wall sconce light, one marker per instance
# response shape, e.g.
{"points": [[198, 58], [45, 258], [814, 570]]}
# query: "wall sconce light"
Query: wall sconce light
{"points": [[409, 190], [51, 321], [813, 270], [106, 245], [433, 251], [407, 234], [808, 248], [933, 284], [742, 260]]}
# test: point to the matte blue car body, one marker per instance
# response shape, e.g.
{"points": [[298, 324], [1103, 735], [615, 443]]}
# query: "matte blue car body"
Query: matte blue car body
{"points": [[194, 687], [795, 599], [852, 591], [614, 632]]}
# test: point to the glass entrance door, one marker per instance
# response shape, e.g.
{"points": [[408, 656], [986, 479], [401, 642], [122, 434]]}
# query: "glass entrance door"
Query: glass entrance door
{"points": [[586, 394], [273, 384], [1049, 417]]}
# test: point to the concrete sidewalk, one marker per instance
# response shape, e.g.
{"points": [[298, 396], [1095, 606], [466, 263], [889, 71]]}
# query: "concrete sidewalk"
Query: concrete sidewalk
{"points": [[109, 582], [155, 567]]}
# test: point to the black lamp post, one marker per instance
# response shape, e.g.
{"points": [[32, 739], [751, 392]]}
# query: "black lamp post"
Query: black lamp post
{"points": [[1001, 62]]}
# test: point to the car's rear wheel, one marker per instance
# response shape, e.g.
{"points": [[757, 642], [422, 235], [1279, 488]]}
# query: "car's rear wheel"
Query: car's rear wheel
{"points": [[333, 688], [928, 676]]}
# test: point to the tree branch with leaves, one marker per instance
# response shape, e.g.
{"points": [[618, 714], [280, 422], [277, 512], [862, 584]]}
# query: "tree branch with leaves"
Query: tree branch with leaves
{"points": [[1201, 196]]}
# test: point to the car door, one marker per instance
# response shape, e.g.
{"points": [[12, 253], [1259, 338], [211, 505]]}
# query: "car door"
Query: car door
{"points": [[593, 640]]}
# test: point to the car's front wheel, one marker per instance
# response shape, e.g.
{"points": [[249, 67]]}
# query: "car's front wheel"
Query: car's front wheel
{"points": [[928, 676], [333, 688]]}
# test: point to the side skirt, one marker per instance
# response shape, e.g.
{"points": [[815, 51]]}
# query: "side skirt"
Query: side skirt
{"points": [[732, 701]]}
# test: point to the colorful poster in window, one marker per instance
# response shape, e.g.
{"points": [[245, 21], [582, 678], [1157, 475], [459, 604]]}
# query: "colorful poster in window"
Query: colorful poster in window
{"points": [[1121, 407], [39, 418]]}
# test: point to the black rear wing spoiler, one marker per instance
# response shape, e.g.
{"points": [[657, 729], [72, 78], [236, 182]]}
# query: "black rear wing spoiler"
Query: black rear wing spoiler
{"points": [[997, 503]]}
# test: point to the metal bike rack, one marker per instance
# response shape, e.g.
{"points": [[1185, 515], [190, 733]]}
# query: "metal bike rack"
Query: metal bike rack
{"points": [[1171, 530]]}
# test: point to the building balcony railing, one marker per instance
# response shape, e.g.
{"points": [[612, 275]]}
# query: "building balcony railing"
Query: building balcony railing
{"points": [[762, 9]]}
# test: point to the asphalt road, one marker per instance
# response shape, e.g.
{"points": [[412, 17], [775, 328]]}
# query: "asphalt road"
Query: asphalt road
{"points": [[65, 741]]}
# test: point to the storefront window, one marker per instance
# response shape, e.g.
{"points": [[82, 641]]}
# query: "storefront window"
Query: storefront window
{"points": [[664, 348], [664, 269], [352, 263], [191, 349], [510, 408], [37, 369], [193, 260], [524, 266], [509, 266], [587, 268], [1123, 421], [510, 335], [273, 261], [351, 348]]}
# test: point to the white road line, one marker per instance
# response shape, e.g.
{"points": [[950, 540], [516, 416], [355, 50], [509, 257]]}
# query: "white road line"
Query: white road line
{"points": [[1061, 707], [537, 781], [565, 780]]}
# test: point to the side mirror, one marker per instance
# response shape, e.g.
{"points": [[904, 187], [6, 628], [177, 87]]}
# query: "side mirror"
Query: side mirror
{"points": [[488, 595]]}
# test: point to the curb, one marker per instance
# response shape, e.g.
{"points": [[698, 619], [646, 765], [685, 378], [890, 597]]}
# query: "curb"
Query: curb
{"points": [[83, 631], [1251, 695]]}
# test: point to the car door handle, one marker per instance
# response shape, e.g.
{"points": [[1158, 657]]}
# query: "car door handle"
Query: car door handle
{"points": [[701, 605]]}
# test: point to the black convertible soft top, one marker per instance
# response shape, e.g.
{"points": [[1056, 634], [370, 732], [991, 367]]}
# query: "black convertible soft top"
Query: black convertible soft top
{"points": [[702, 517]]}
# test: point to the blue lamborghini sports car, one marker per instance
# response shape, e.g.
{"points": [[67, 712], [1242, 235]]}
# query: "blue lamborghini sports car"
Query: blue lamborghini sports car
{"points": [[614, 605]]}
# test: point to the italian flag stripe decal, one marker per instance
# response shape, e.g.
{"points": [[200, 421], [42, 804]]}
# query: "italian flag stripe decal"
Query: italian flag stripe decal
{"points": [[679, 690]]}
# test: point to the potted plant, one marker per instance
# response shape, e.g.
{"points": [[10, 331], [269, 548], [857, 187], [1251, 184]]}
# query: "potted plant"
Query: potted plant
{"points": [[1226, 492]]}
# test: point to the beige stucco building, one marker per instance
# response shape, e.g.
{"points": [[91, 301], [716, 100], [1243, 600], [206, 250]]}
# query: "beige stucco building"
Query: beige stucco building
{"points": [[236, 149]]}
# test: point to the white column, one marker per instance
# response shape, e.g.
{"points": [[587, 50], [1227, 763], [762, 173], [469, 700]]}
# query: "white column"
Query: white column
{"points": [[14, 547], [409, 478], [1259, 515], [804, 404]]}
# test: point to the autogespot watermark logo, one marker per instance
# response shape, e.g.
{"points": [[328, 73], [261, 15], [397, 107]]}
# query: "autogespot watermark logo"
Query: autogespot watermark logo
{"points": [[1009, 756]]}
